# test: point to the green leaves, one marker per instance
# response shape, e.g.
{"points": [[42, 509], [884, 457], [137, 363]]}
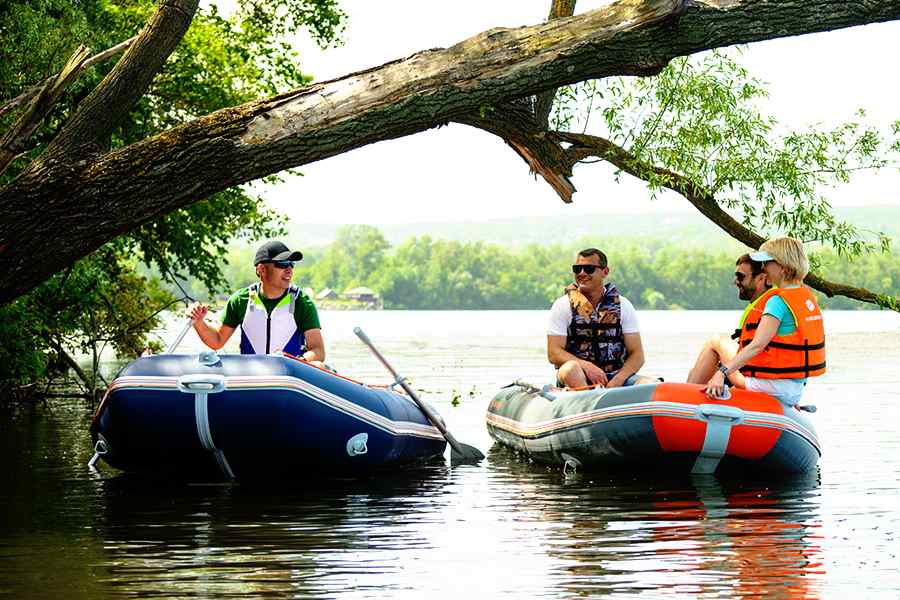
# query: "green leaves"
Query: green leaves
{"points": [[351, 260], [323, 19], [104, 300], [700, 118], [195, 239], [100, 302]]}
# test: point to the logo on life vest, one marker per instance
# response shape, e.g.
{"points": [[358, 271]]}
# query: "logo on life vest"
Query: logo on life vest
{"points": [[810, 305]]}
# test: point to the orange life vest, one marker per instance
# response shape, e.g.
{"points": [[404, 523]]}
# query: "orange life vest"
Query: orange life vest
{"points": [[793, 356]]}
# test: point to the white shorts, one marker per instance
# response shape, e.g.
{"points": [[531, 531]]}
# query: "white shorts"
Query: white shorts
{"points": [[788, 391]]}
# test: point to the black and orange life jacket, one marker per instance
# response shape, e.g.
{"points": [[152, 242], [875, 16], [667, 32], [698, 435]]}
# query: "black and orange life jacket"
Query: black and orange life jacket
{"points": [[793, 356]]}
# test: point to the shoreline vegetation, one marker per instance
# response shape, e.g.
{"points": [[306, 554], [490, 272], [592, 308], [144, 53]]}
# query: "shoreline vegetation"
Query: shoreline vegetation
{"points": [[425, 273]]}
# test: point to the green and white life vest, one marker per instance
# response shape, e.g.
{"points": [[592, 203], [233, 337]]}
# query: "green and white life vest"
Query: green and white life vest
{"points": [[269, 333]]}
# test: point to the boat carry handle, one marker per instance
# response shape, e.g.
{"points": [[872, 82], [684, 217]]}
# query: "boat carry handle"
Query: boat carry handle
{"points": [[100, 448], [205, 383], [543, 392], [722, 412]]}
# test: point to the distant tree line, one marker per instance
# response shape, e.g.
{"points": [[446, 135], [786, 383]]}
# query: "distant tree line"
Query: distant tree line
{"points": [[423, 273]]}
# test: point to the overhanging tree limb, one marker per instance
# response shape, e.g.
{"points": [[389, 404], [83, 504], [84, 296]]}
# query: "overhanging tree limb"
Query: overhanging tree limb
{"points": [[36, 89], [553, 154], [517, 125], [81, 205], [88, 131], [583, 146], [15, 141]]}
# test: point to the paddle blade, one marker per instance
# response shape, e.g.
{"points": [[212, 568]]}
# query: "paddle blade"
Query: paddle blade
{"points": [[465, 454]]}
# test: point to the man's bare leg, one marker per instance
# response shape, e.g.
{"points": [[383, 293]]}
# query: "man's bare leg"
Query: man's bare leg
{"points": [[572, 375], [718, 348]]}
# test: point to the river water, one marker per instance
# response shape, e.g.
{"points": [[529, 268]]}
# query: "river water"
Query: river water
{"points": [[504, 528]]}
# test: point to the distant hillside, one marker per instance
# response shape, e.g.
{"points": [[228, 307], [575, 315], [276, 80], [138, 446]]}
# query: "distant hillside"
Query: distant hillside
{"points": [[688, 228]]}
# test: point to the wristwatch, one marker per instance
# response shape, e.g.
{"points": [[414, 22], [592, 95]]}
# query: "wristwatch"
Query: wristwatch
{"points": [[724, 370]]}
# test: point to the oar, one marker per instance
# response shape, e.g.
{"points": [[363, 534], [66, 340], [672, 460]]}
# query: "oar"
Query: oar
{"points": [[459, 452], [184, 330]]}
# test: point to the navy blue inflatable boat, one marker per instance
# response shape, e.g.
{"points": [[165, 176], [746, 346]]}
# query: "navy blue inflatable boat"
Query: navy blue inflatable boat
{"points": [[237, 416]]}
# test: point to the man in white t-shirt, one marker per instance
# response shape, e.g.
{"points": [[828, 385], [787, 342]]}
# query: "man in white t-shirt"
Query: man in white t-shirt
{"points": [[593, 336]]}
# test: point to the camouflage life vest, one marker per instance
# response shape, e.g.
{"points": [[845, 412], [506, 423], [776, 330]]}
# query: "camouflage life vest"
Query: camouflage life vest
{"points": [[595, 332]]}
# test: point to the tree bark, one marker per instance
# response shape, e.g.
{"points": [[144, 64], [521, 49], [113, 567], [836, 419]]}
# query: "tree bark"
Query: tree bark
{"points": [[70, 201], [35, 90], [543, 102], [87, 133], [15, 141]]}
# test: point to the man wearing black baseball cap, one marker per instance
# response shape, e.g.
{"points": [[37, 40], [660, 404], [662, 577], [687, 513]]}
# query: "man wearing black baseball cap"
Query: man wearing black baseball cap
{"points": [[275, 251], [274, 316]]}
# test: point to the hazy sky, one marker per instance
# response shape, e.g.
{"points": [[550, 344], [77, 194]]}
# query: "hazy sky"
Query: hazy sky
{"points": [[457, 172]]}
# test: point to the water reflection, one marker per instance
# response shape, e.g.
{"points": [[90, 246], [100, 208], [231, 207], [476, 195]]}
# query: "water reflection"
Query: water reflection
{"points": [[619, 533], [510, 527], [229, 540]]}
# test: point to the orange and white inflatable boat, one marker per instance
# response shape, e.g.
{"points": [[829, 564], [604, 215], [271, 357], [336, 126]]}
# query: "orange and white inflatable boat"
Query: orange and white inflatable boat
{"points": [[670, 426]]}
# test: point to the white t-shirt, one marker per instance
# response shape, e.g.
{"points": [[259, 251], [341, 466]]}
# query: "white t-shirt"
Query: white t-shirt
{"points": [[561, 316]]}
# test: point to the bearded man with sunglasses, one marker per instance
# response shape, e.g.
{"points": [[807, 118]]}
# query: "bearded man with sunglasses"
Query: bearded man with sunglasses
{"points": [[750, 279], [274, 316], [593, 337]]}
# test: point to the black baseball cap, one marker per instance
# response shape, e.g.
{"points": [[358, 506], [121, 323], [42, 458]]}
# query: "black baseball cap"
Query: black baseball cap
{"points": [[275, 251]]}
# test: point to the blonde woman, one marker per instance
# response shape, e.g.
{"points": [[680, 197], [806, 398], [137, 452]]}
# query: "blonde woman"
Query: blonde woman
{"points": [[782, 341]]}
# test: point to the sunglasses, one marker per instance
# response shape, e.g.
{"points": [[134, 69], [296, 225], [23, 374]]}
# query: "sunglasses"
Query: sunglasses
{"points": [[589, 269], [740, 277], [282, 264]]}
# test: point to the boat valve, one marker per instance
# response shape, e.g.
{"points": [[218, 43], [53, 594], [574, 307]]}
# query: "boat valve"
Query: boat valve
{"points": [[357, 444], [209, 358]]}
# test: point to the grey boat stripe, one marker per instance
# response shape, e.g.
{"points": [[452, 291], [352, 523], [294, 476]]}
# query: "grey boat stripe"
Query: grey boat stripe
{"points": [[202, 387], [201, 412]]}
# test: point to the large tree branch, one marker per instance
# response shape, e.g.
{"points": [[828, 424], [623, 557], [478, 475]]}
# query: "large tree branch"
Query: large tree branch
{"points": [[543, 102], [517, 125], [584, 146], [36, 89], [87, 133], [15, 141], [82, 205], [545, 155], [520, 124]]}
